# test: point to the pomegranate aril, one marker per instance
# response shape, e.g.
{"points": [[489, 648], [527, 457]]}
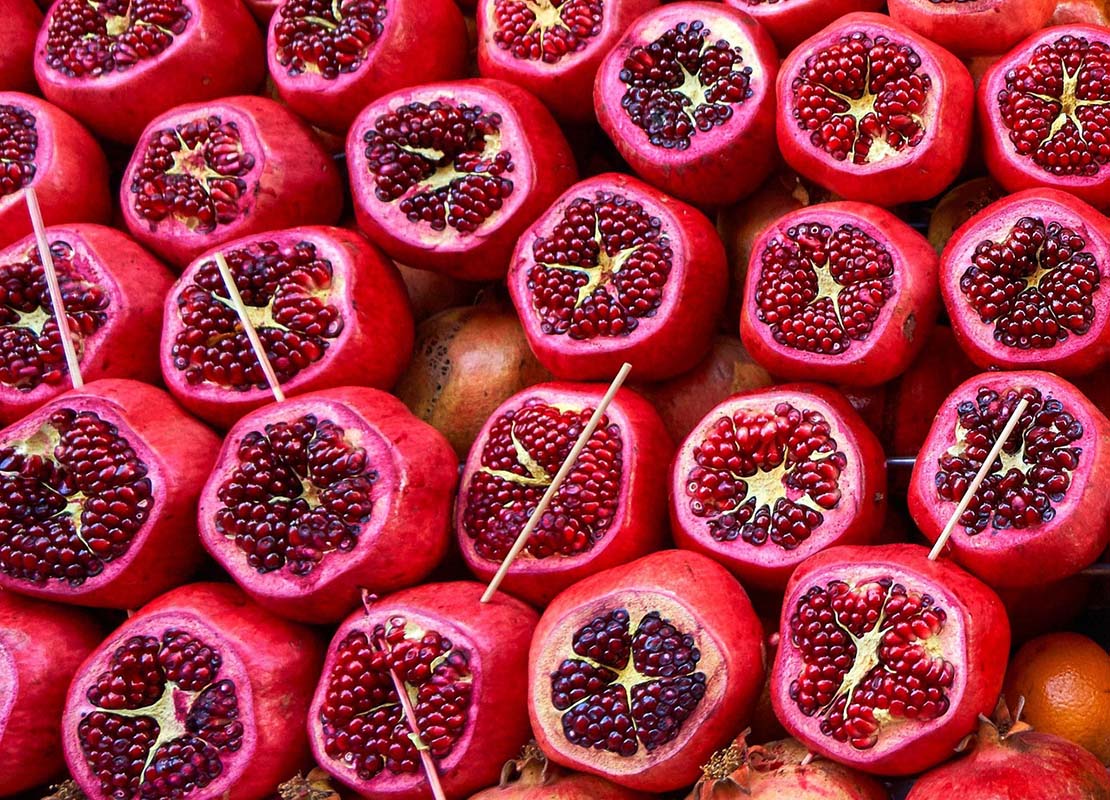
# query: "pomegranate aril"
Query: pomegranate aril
{"points": [[327, 38], [19, 141], [548, 30]]}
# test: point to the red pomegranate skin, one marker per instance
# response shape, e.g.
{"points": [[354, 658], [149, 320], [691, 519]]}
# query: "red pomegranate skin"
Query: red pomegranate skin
{"points": [[408, 479], [790, 22], [972, 29], [270, 662], [55, 155], [533, 777], [492, 637], [131, 285], [177, 451], [86, 60], [22, 19], [41, 646], [680, 595], [973, 641], [263, 9]]}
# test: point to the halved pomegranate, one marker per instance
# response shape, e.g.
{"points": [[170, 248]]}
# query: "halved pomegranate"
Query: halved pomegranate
{"points": [[959, 204], [462, 664], [44, 148], [687, 96], [973, 27], [841, 292], [22, 19], [770, 477], [872, 111], [1043, 512], [887, 659], [113, 292], [329, 59], [201, 695], [617, 271], [791, 21], [98, 493], [1044, 110], [446, 176], [640, 672], [329, 309], [116, 65], [329, 493], [204, 174], [553, 48]]}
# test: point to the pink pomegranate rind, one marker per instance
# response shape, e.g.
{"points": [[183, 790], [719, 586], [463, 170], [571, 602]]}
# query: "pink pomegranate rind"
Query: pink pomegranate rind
{"points": [[973, 27], [317, 498], [841, 292], [1042, 513], [640, 672], [687, 96], [328, 60], [791, 21], [617, 271], [446, 176], [902, 137], [22, 19], [200, 694], [119, 65], [328, 307], [610, 510], [887, 659], [113, 292], [458, 658]]}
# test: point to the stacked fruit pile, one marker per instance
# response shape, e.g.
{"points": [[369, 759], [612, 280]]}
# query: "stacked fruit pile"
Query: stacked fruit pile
{"points": [[312, 255]]}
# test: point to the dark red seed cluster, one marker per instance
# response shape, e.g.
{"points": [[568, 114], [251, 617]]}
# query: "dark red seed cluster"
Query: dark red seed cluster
{"points": [[195, 173], [605, 711], [325, 38], [72, 498], [89, 38], [862, 99], [442, 161], [1032, 473], [601, 270], [1057, 106], [523, 451], [880, 623], [546, 30], [19, 142], [766, 475], [362, 717], [682, 83], [286, 288]]}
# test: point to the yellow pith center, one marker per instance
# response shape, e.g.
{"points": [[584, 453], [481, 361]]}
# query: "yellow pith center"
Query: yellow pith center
{"points": [[1069, 103]]}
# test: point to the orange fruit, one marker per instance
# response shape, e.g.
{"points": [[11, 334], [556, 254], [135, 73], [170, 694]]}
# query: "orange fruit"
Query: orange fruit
{"points": [[1065, 680]]}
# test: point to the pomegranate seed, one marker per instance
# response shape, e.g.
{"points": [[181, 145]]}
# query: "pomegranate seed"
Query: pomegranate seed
{"points": [[546, 30], [19, 141]]}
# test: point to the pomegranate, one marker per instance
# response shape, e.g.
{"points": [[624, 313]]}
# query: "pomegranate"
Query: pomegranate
{"points": [[553, 48], [462, 666], [46, 149], [973, 27], [791, 21], [433, 292], [263, 10], [117, 65], [958, 205], [533, 777], [22, 19], [1049, 607], [328, 308], [617, 271], [687, 96], [329, 59], [875, 112], [640, 672], [316, 785], [1089, 12], [1022, 282], [770, 477], [201, 694], [41, 647], [446, 176], [1043, 512], [886, 658], [843, 292], [112, 290]]}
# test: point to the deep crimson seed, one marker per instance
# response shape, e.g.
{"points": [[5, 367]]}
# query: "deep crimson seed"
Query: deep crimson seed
{"points": [[327, 38], [19, 141], [547, 30]]}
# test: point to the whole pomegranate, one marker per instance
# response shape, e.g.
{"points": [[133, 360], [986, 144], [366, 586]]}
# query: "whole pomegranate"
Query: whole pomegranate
{"points": [[640, 672], [200, 694], [791, 21], [533, 777], [22, 19], [1090, 12], [973, 27], [958, 205], [433, 292]]}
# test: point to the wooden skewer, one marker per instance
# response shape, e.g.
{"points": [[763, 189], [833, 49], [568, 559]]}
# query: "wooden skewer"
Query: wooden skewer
{"points": [[556, 482], [248, 327], [980, 476], [47, 259]]}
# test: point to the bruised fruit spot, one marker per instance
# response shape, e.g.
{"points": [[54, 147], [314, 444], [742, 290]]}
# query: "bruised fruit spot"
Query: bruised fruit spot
{"points": [[73, 496], [327, 37], [601, 269], [763, 475], [164, 720], [1033, 471], [520, 456], [286, 289], [19, 142], [546, 30], [632, 685], [362, 718], [870, 658]]}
